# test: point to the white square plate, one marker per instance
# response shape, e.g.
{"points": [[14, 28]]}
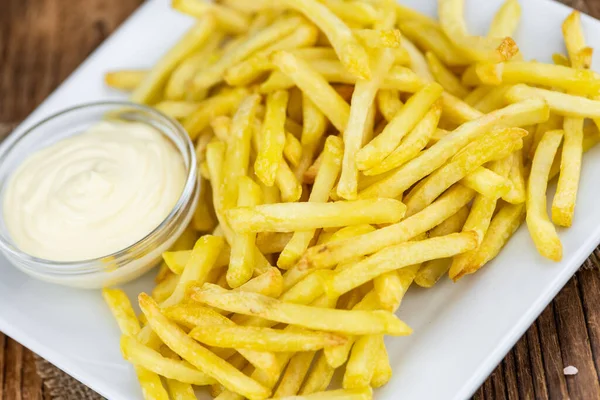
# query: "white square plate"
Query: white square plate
{"points": [[462, 331]]}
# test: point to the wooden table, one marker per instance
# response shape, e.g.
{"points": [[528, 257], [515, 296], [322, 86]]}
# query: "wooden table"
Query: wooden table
{"points": [[42, 41]]}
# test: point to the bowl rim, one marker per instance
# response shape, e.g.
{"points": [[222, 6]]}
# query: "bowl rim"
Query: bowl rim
{"points": [[186, 149]]}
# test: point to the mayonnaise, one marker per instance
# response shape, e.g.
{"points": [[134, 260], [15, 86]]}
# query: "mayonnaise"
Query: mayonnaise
{"points": [[95, 193]]}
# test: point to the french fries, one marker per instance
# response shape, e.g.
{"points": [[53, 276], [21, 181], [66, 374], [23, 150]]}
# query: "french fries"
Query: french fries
{"points": [[362, 148]]}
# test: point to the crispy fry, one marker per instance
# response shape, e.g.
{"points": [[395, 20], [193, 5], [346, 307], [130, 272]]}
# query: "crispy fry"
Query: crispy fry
{"points": [[341, 321], [324, 182], [354, 135], [292, 149], [488, 183], [305, 216], [273, 138], [411, 113], [432, 39], [383, 371], [148, 90], [388, 103], [541, 229], [445, 77], [351, 53], [126, 80], [520, 114], [561, 103], [294, 374]]}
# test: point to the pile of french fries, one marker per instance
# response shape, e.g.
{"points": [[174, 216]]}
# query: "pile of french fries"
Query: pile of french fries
{"points": [[348, 149]]}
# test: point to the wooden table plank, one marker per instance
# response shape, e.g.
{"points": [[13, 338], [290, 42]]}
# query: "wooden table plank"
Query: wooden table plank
{"points": [[43, 41]]}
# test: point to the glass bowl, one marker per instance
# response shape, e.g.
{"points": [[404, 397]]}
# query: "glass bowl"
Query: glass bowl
{"points": [[128, 263]]}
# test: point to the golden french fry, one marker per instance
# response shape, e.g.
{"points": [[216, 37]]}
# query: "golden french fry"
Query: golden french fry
{"points": [[237, 156], [289, 186], [289, 217], [228, 19], [197, 355], [504, 224], [292, 149], [476, 48], [362, 361], [201, 261], [494, 100], [411, 113], [354, 135], [574, 39], [541, 74], [314, 122], [554, 122], [487, 183], [294, 375], [208, 109], [264, 339], [541, 229], [432, 39], [138, 354], [497, 144], [148, 90], [319, 377], [398, 256], [315, 87], [388, 103], [243, 248], [519, 114], [273, 138], [330, 320], [341, 251], [350, 52], [165, 288], [152, 387], [456, 111], [212, 75], [177, 109], [324, 182], [412, 144], [516, 194], [445, 77], [560, 103], [126, 80], [383, 371], [180, 391], [506, 20]]}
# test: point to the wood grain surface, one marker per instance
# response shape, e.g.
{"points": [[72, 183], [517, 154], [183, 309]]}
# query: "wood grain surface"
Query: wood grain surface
{"points": [[42, 41]]}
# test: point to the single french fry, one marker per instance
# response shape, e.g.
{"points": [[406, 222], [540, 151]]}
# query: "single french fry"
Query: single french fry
{"points": [[488, 183], [411, 113], [412, 144], [148, 90], [341, 251], [330, 320], [201, 261], [498, 144], [324, 182], [506, 20], [418, 63], [237, 156], [177, 109], [445, 77], [354, 135], [382, 372], [432, 39], [476, 48], [165, 288], [288, 184], [332, 71], [126, 80], [228, 19], [197, 355], [289, 217], [516, 194], [292, 149], [264, 339], [243, 248], [315, 87], [519, 114], [138, 354], [554, 122], [564, 104], [212, 75], [180, 391], [208, 109], [294, 375], [456, 111], [574, 39], [398, 256], [273, 138], [541, 229], [362, 362], [536, 73], [151, 384], [502, 227], [350, 52], [318, 377], [314, 122]]}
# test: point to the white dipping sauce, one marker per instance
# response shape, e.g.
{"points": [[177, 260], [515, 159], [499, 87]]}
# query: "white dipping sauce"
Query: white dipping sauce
{"points": [[95, 193]]}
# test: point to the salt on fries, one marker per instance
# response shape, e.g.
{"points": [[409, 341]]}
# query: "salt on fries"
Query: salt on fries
{"points": [[347, 150]]}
